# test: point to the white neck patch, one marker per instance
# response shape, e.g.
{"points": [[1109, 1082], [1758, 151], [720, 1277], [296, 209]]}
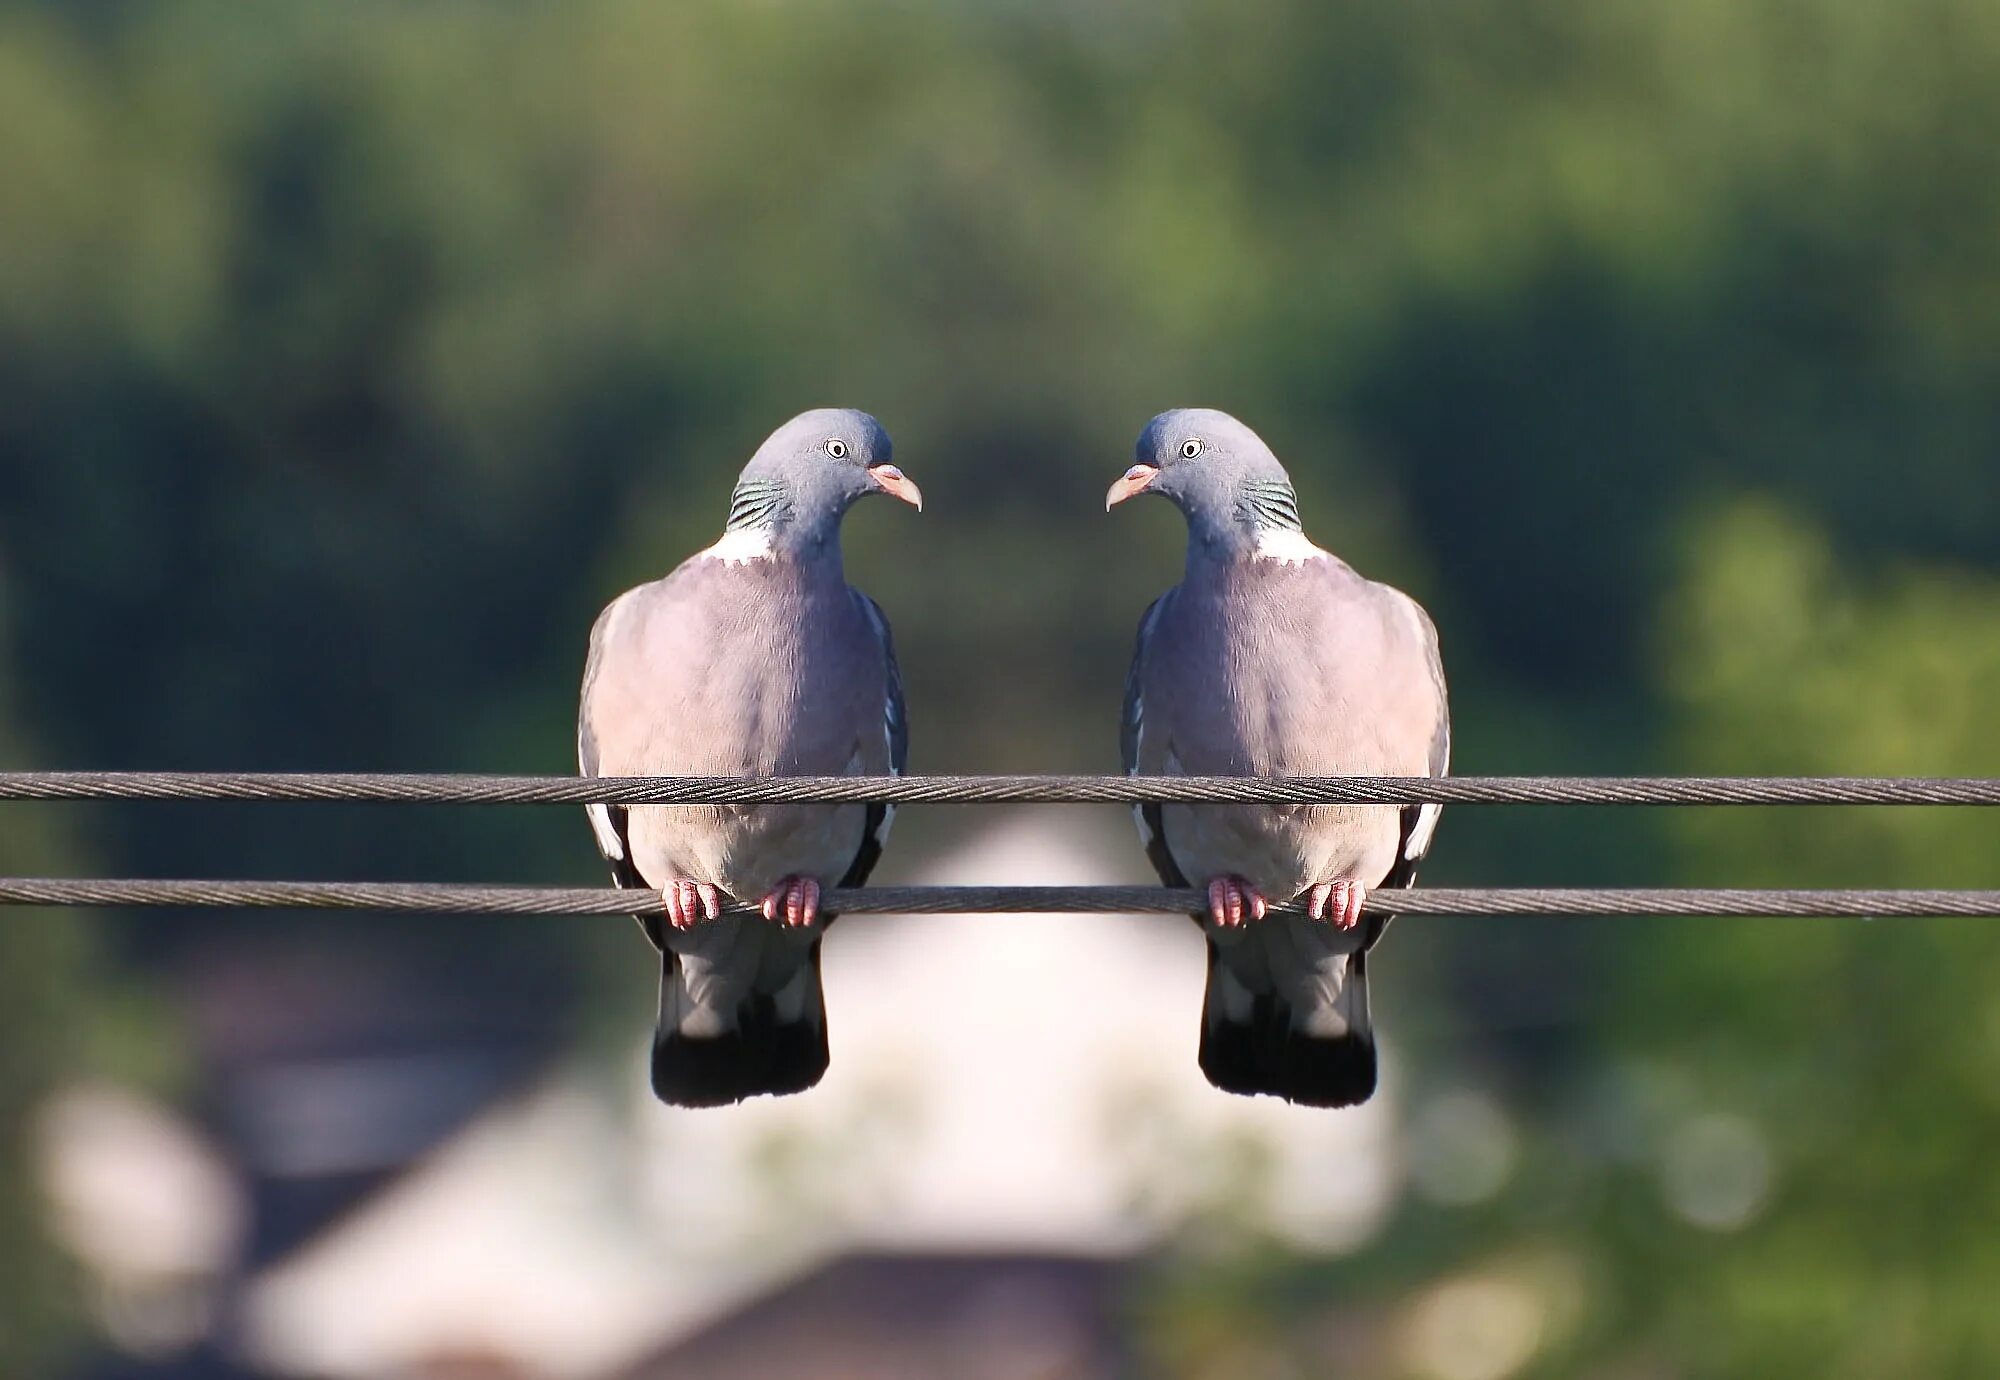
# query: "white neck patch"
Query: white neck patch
{"points": [[1285, 547], [741, 547]]}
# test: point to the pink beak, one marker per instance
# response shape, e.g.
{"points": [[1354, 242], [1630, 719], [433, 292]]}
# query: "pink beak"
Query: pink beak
{"points": [[1134, 481], [897, 484]]}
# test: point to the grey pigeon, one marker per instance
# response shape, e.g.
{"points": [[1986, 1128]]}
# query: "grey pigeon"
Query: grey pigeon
{"points": [[753, 658], [1272, 657]]}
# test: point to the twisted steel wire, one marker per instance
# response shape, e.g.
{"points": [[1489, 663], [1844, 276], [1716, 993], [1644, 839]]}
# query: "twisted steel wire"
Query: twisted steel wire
{"points": [[440, 789], [443, 898]]}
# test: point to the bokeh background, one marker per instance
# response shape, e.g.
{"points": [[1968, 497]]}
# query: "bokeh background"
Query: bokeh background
{"points": [[352, 356]]}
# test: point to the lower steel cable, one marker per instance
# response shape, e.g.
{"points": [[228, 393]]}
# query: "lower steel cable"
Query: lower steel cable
{"points": [[447, 898]]}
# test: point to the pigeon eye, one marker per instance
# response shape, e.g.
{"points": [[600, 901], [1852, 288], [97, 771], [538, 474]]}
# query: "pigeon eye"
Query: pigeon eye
{"points": [[836, 447], [1190, 448]]}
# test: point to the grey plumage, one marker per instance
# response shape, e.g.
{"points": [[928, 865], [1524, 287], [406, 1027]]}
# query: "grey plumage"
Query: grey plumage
{"points": [[752, 658], [1274, 658]]}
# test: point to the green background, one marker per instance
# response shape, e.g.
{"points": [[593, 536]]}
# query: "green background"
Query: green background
{"points": [[351, 356]]}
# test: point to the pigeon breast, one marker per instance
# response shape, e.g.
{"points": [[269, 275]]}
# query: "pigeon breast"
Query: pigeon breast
{"points": [[727, 668], [1268, 668]]}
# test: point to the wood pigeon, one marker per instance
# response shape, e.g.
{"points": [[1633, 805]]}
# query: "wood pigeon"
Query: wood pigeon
{"points": [[1272, 657], [753, 658]]}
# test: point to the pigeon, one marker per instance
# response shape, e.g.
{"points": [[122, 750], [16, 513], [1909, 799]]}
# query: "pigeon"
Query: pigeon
{"points": [[1273, 657], [754, 658]]}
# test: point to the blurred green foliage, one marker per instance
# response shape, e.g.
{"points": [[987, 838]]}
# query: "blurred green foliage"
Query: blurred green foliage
{"points": [[46, 973], [352, 356]]}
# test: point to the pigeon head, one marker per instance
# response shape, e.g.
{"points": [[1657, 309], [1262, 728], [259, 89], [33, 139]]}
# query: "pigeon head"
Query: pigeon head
{"points": [[1218, 472], [810, 471]]}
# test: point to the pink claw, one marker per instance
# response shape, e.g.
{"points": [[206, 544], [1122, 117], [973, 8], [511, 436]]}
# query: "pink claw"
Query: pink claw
{"points": [[1230, 898], [796, 899], [688, 902], [1340, 902]]}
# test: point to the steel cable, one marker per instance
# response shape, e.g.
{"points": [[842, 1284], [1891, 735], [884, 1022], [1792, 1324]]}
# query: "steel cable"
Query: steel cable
{"points": [[444, 898], [440, 789]]}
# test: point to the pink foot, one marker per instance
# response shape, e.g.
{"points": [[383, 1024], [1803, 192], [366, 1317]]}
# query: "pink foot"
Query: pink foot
{"points": [[1231, 899], [795, 901], [1339, 902], [688, 902]]}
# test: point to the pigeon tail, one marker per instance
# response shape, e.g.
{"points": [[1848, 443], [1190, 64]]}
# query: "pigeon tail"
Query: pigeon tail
{"points": [[1255, 1042], [773, 1043]]}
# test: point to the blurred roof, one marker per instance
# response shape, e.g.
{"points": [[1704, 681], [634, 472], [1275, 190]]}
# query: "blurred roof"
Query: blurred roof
{"points": [[974, 1317], [331, 1065]]}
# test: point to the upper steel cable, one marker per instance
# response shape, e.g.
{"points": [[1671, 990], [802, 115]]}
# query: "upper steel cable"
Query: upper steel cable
{"points": [[442, 789]]}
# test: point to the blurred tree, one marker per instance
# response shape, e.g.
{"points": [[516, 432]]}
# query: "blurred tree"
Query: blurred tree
{"points": [[50, 997], [1859, 1063]]}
